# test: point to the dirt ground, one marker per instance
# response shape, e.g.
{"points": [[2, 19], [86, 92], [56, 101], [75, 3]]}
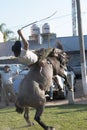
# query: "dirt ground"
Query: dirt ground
{"points": [[79, 97]]}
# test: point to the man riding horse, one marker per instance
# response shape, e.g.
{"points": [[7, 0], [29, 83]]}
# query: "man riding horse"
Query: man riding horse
{"points": [[44, 65]]}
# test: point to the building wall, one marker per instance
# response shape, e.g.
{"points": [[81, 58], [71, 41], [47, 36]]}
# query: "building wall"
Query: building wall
{"points": [[1, 37], [75, 59]]}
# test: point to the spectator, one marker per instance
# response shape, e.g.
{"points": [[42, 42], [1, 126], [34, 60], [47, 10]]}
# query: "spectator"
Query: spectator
{"points": [[51, 92], [7, 82]]}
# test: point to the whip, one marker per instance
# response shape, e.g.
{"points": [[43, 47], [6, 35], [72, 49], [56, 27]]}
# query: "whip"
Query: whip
{"points": [[39, 20]]}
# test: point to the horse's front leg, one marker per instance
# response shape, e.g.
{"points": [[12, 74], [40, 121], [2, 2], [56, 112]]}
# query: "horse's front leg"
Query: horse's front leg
{"points": [[39, 112], [26, 116], [67, 82]]}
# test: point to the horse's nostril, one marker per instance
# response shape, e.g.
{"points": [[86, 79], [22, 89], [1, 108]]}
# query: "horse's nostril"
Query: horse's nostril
{"points": [[42, 63]]}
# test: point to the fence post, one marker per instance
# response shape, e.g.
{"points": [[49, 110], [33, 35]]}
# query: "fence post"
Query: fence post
{"points": [[70, 77]]}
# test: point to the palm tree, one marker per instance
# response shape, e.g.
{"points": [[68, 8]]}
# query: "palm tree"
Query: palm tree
{"points": [[6, 35], [6, 32], [1, 27]]}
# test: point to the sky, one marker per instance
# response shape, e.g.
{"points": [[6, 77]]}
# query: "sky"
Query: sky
{"points": [[18, 13]]}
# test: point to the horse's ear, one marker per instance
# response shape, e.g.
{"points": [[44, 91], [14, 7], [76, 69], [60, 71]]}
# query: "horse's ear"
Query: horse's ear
{"points": [[59, 45], [56, 52]]}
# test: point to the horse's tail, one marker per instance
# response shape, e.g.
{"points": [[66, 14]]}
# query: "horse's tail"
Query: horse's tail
{"points": [[19, 109]]}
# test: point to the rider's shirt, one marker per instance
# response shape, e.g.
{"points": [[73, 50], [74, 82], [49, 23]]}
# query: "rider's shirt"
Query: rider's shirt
{"points": [[27, 57]]}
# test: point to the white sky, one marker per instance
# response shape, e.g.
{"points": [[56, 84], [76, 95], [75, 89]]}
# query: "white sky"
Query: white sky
{"points": [[17, 13]]}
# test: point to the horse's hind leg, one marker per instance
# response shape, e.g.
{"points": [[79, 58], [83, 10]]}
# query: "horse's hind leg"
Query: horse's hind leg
{"points": [[26, 116], [39, 112]]}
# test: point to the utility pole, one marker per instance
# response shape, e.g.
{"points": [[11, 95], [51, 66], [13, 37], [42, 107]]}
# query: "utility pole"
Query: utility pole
{"points": [[74, 27], [82, 48]]}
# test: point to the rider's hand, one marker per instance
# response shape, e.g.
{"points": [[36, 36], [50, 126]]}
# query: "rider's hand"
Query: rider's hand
{"points": [[19, 32]]}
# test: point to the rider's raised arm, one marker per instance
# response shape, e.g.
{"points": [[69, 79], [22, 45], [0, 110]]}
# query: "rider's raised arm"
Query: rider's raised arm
{"points": [[25, 42]]}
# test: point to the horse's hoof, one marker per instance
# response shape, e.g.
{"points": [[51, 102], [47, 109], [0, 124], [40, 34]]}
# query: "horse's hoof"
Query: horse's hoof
{"points": [[50, 128], [31, 124]]}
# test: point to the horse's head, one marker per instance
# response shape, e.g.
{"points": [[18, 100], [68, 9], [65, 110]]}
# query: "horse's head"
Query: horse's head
{"points": [[55, 52], [59, 59], [55, 64]]}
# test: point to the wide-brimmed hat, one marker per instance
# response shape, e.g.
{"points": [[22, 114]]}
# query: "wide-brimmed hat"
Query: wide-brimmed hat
{"points": [[6, 66], [16, 46]]}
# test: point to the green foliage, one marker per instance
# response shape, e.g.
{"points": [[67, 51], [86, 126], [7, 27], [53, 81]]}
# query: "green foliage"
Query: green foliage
{"points": [[7, 34], [65, 117]]}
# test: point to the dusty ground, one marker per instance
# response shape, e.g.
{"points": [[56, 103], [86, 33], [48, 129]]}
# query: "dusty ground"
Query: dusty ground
{"points": [[79, 97]]}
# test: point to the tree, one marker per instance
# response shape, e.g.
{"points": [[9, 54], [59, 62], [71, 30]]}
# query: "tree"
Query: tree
{"points": [[7, 34]]}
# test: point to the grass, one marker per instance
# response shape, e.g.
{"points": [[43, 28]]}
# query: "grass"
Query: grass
{"points": [[64, 117]]}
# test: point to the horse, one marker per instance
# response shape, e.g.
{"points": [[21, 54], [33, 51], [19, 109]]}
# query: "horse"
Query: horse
{"points": [[33, 87]]}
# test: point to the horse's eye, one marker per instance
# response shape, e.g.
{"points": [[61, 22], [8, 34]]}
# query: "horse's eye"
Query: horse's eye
{"points": [[48, 62]]}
